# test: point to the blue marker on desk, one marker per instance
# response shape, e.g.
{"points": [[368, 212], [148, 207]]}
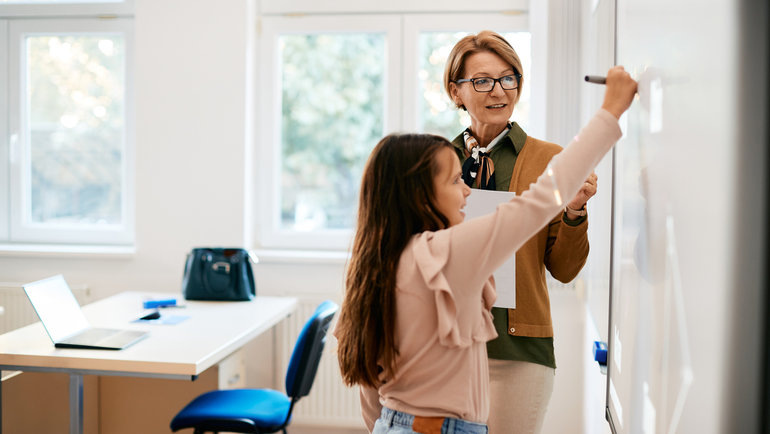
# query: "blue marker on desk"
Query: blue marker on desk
{"points": [[154, 304]]}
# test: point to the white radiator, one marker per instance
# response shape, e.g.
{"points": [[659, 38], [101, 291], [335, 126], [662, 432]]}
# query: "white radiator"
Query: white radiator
{"points": [[330, 403], [18, 312]]}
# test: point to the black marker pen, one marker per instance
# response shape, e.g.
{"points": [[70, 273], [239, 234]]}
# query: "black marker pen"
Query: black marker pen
{"points": [[598, 79]]}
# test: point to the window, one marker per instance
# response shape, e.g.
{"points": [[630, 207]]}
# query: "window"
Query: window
{"points": [[331, 88], [328, 88], [67, 133], [321, 154]]}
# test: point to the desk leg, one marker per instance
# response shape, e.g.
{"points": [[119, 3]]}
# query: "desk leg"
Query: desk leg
{"points": [[76, 404], [1, 402]]}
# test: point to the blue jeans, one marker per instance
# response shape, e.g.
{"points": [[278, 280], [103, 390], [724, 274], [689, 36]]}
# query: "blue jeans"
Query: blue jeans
{"points": [[396, 422]]}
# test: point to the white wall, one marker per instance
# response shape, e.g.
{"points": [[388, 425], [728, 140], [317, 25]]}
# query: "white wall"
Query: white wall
{"points": [[597, 43], [565, 411]]}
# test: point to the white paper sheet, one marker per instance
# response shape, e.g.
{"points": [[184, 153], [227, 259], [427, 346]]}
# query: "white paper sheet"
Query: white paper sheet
{"points": [[482, 202]]}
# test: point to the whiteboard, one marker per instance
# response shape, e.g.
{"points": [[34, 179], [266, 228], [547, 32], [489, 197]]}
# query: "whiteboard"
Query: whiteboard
{"points": [[689, 211]]}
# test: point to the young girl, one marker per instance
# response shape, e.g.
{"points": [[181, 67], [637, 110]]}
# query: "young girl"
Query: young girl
{"points": [[416, 315]]}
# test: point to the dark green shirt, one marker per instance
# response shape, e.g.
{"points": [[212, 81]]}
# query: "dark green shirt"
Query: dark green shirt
{"points": [[522, 348]]}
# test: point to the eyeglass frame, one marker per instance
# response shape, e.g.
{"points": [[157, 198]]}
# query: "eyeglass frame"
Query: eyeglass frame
{"points": [[495, 81]]}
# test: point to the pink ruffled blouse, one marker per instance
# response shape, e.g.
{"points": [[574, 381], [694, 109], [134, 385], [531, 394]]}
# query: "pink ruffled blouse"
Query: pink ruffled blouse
{"points": [[445, 291]]}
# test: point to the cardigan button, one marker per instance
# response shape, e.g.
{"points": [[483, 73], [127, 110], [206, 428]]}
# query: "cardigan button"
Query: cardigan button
{"points": [[512, 330]]}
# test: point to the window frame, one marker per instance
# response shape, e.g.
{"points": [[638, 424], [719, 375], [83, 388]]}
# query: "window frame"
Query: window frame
{"points": [[4, 137], [271, 233], [67, 8], [19, 230], [393, 7]]}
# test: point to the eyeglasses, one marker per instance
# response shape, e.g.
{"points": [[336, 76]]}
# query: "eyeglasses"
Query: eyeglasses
{"points": [[486, 84]]}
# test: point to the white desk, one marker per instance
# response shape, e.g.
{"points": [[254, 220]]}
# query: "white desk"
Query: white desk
{"points": [[213, 331]]}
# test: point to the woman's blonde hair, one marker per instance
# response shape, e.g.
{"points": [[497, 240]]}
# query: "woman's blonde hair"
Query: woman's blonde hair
{"points": [[486, 40]]}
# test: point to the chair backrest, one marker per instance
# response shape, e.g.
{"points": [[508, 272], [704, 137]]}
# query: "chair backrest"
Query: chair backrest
{"points": [[307, 351]]}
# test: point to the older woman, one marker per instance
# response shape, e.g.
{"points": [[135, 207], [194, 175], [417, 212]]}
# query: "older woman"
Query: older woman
{"points": [[483, 75]]}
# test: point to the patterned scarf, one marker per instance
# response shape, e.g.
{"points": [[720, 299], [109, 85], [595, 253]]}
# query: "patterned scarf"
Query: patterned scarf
{"points": [[478, 168]]}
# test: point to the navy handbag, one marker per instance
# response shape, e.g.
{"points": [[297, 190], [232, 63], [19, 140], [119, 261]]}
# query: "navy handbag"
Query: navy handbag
{"points": [[216, 273]]}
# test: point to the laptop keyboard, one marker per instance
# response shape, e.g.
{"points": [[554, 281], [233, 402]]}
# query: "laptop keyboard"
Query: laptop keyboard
{"points": [[97, 336]]}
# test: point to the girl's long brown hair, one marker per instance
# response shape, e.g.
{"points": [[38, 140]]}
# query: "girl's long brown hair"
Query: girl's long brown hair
{"points": [[396, 202]]}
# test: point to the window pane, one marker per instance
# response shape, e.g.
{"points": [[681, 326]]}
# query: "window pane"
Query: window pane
{"points": [[75, 120], [332, 115], [437, 113]]}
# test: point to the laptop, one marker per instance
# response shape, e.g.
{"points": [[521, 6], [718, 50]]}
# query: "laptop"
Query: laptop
{"points": [[65, 322]]}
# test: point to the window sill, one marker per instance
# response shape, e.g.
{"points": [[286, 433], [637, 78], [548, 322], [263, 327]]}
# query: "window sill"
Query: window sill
{"points": [[64, 250], [267, 256]]}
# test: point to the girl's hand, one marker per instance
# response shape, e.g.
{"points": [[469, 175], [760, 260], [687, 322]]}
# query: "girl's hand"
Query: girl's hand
{"points": [[619, 92]]}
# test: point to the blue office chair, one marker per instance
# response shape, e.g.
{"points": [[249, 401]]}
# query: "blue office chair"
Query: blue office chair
{"points": [[263, 410]]}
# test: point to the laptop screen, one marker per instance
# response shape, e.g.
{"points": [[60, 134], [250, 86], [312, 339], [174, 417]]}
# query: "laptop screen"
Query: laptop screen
{"points": [[57, 307]]}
